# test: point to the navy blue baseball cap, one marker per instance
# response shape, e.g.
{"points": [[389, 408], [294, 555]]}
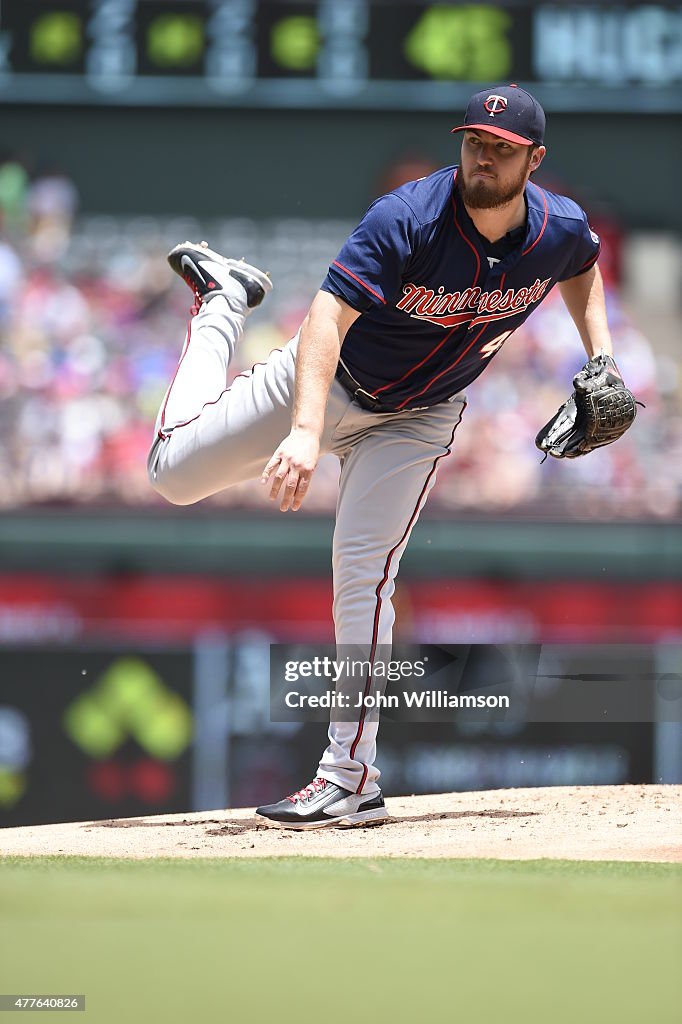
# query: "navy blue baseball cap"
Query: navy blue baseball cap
{"points": [[509, 112]]}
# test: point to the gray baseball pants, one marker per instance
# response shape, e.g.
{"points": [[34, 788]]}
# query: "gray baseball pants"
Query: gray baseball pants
{"points": [[209, 437]]}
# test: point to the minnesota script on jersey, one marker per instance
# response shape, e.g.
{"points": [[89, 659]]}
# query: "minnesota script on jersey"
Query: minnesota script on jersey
{"points": [[435, 311]]}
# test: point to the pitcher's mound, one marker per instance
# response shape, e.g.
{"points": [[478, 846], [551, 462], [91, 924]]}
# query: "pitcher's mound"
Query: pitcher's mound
{"points": [[639, 823]]}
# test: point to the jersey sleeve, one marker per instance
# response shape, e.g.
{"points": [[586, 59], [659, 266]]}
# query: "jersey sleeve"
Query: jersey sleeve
{"points": [[369, 270], [586, 253]]}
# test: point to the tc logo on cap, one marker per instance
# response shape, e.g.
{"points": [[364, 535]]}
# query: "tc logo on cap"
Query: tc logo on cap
{"points": [[510, 112], [495, 104]]}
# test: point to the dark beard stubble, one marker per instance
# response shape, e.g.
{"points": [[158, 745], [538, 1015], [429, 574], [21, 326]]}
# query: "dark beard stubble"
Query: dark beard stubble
{"points": [[483, 195]]}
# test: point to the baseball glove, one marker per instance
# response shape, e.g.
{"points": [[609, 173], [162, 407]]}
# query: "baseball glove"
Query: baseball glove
{"points": [[598, 412]]}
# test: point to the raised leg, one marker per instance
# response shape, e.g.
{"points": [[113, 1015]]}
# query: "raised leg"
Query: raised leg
{"points": [[208, 435]]}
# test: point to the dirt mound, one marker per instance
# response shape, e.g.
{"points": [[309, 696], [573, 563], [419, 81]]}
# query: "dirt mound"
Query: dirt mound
{"points": [[639, 823]]}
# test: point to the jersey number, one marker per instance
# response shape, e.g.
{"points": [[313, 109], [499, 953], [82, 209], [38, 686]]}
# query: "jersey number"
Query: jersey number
{"points": [[491, 347]]}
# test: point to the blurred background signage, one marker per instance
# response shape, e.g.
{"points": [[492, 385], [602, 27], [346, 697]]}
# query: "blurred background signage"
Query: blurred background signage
{"points": [[94, 734], [364, 53], [123, 728]]}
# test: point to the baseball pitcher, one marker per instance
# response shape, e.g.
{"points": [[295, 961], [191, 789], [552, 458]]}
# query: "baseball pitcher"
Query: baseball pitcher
{"points": [[426, 290]]}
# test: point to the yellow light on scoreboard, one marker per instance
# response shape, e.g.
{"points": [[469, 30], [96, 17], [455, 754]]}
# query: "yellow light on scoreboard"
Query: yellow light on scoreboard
{"points": [[175, 40], [295, 43], [129, 700], [461, 43], [56, 39]]}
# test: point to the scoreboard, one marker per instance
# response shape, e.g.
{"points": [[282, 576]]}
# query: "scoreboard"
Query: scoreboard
{"points": [[380, 54]]}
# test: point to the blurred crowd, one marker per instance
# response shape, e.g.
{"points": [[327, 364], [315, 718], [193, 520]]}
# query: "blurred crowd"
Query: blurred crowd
{"points": [[92, 322]]}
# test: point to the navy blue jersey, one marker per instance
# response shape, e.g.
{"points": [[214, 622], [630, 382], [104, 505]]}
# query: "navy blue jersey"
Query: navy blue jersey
{"points": [[434, 310]]}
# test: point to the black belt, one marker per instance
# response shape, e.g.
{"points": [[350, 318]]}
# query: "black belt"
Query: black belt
{"points": [[364, 399]]}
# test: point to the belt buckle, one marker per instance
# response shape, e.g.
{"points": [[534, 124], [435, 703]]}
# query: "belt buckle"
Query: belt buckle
{"points": [[360, 394]]}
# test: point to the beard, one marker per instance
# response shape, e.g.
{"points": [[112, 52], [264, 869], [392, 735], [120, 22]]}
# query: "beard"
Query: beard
{"points": [[482, 194]]}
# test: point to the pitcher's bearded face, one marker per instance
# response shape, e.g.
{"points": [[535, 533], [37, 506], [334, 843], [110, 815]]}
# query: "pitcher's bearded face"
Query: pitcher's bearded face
{"points": [[493, 171]]}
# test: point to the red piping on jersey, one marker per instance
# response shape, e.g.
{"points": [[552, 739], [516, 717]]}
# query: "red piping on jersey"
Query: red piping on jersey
{"points": [[359, 280], [442, 372], [531, 246], [382, 584], [440, 344], [591, 262], [544, 223], [426, 358], [468, 242], [502, 280]]}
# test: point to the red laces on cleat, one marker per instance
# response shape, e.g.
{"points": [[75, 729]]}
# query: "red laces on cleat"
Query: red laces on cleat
{"points": [[316, 786], [198, 300]]}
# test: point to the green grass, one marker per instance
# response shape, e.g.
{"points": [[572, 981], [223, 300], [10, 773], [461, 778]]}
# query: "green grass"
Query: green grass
{"points": [[294, 940]]}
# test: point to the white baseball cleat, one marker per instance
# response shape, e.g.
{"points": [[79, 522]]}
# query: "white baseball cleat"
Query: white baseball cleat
{"points": [[206, 271], [322, 804]]}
